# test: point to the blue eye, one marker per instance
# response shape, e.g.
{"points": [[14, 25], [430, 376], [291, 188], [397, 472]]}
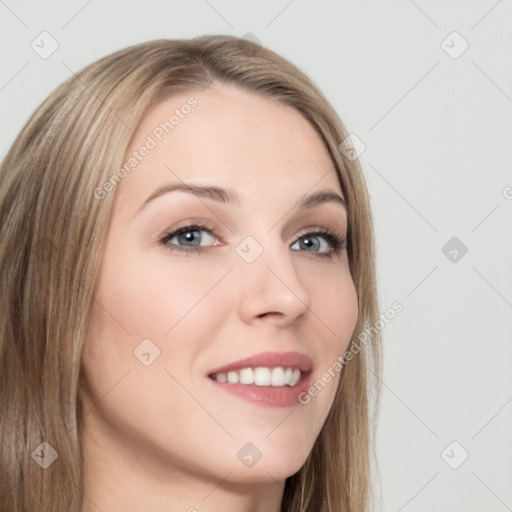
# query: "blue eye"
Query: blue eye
{"points": [[323, 242], [188, 239], [189, 236]]}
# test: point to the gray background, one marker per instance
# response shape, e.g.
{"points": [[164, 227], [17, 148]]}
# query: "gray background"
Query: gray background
{"points": [[437, 127]]}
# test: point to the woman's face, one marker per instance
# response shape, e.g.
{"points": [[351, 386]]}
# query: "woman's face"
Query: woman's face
{"points": [[249, 277]]}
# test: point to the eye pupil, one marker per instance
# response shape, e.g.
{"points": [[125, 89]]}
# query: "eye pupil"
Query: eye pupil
{"points": [[189, 236], [310, 242]]}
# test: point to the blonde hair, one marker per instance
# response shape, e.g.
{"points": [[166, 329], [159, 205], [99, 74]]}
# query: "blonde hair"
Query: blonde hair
{"points": [[52, 233]]}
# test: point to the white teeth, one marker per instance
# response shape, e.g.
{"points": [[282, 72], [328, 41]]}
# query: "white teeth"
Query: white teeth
{"points": [[295, 377], [233, 377], [221, 377], [246, 376], [261, 376], [278, 377]]}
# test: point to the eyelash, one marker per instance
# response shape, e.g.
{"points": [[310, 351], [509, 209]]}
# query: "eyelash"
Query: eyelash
{"points": [[337, 244]]}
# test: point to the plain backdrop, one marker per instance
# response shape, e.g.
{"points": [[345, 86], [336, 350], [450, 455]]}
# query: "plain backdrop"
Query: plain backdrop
{"points": [[426, 86]]}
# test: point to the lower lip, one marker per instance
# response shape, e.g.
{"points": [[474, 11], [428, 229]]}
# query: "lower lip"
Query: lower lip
{"points": [[267, 396]]}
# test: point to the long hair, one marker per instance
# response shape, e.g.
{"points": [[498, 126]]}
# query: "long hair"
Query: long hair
{"points": [[52, 234]]}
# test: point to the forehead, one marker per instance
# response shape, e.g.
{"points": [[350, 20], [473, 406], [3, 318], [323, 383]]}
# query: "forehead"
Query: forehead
{"points": [[229, 137]]}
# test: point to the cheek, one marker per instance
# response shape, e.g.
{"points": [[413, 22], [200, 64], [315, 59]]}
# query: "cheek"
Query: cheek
{"points": [[336, 309], [150, 296], [160, 300], [335, 305]]}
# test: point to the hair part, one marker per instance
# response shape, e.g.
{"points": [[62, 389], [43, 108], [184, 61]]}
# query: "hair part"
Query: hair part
{"points": [[52, 235]]}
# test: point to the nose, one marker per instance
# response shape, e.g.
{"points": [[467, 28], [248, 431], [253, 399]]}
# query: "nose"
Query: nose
{"points": [[270, 287]]}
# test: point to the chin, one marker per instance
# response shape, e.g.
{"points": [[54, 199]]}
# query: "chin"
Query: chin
{"points": [[276, 462], [270, 471]]}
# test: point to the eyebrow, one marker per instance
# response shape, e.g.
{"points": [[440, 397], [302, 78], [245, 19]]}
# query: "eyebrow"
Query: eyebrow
{"points": [[229, 196]]}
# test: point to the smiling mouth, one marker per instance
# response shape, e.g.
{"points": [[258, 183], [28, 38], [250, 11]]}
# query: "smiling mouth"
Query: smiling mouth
{"points": [[264, 386], [278, 377]]}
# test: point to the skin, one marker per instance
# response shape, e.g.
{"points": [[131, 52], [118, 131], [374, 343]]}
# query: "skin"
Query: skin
{"points": [[164, 437]]}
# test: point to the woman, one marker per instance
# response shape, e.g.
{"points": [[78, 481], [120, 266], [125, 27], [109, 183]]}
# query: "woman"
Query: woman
{"points": [[187, 260]]}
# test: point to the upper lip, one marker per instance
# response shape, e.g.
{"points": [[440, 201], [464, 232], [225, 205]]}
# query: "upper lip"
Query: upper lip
{"points": [[270, 360]]}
